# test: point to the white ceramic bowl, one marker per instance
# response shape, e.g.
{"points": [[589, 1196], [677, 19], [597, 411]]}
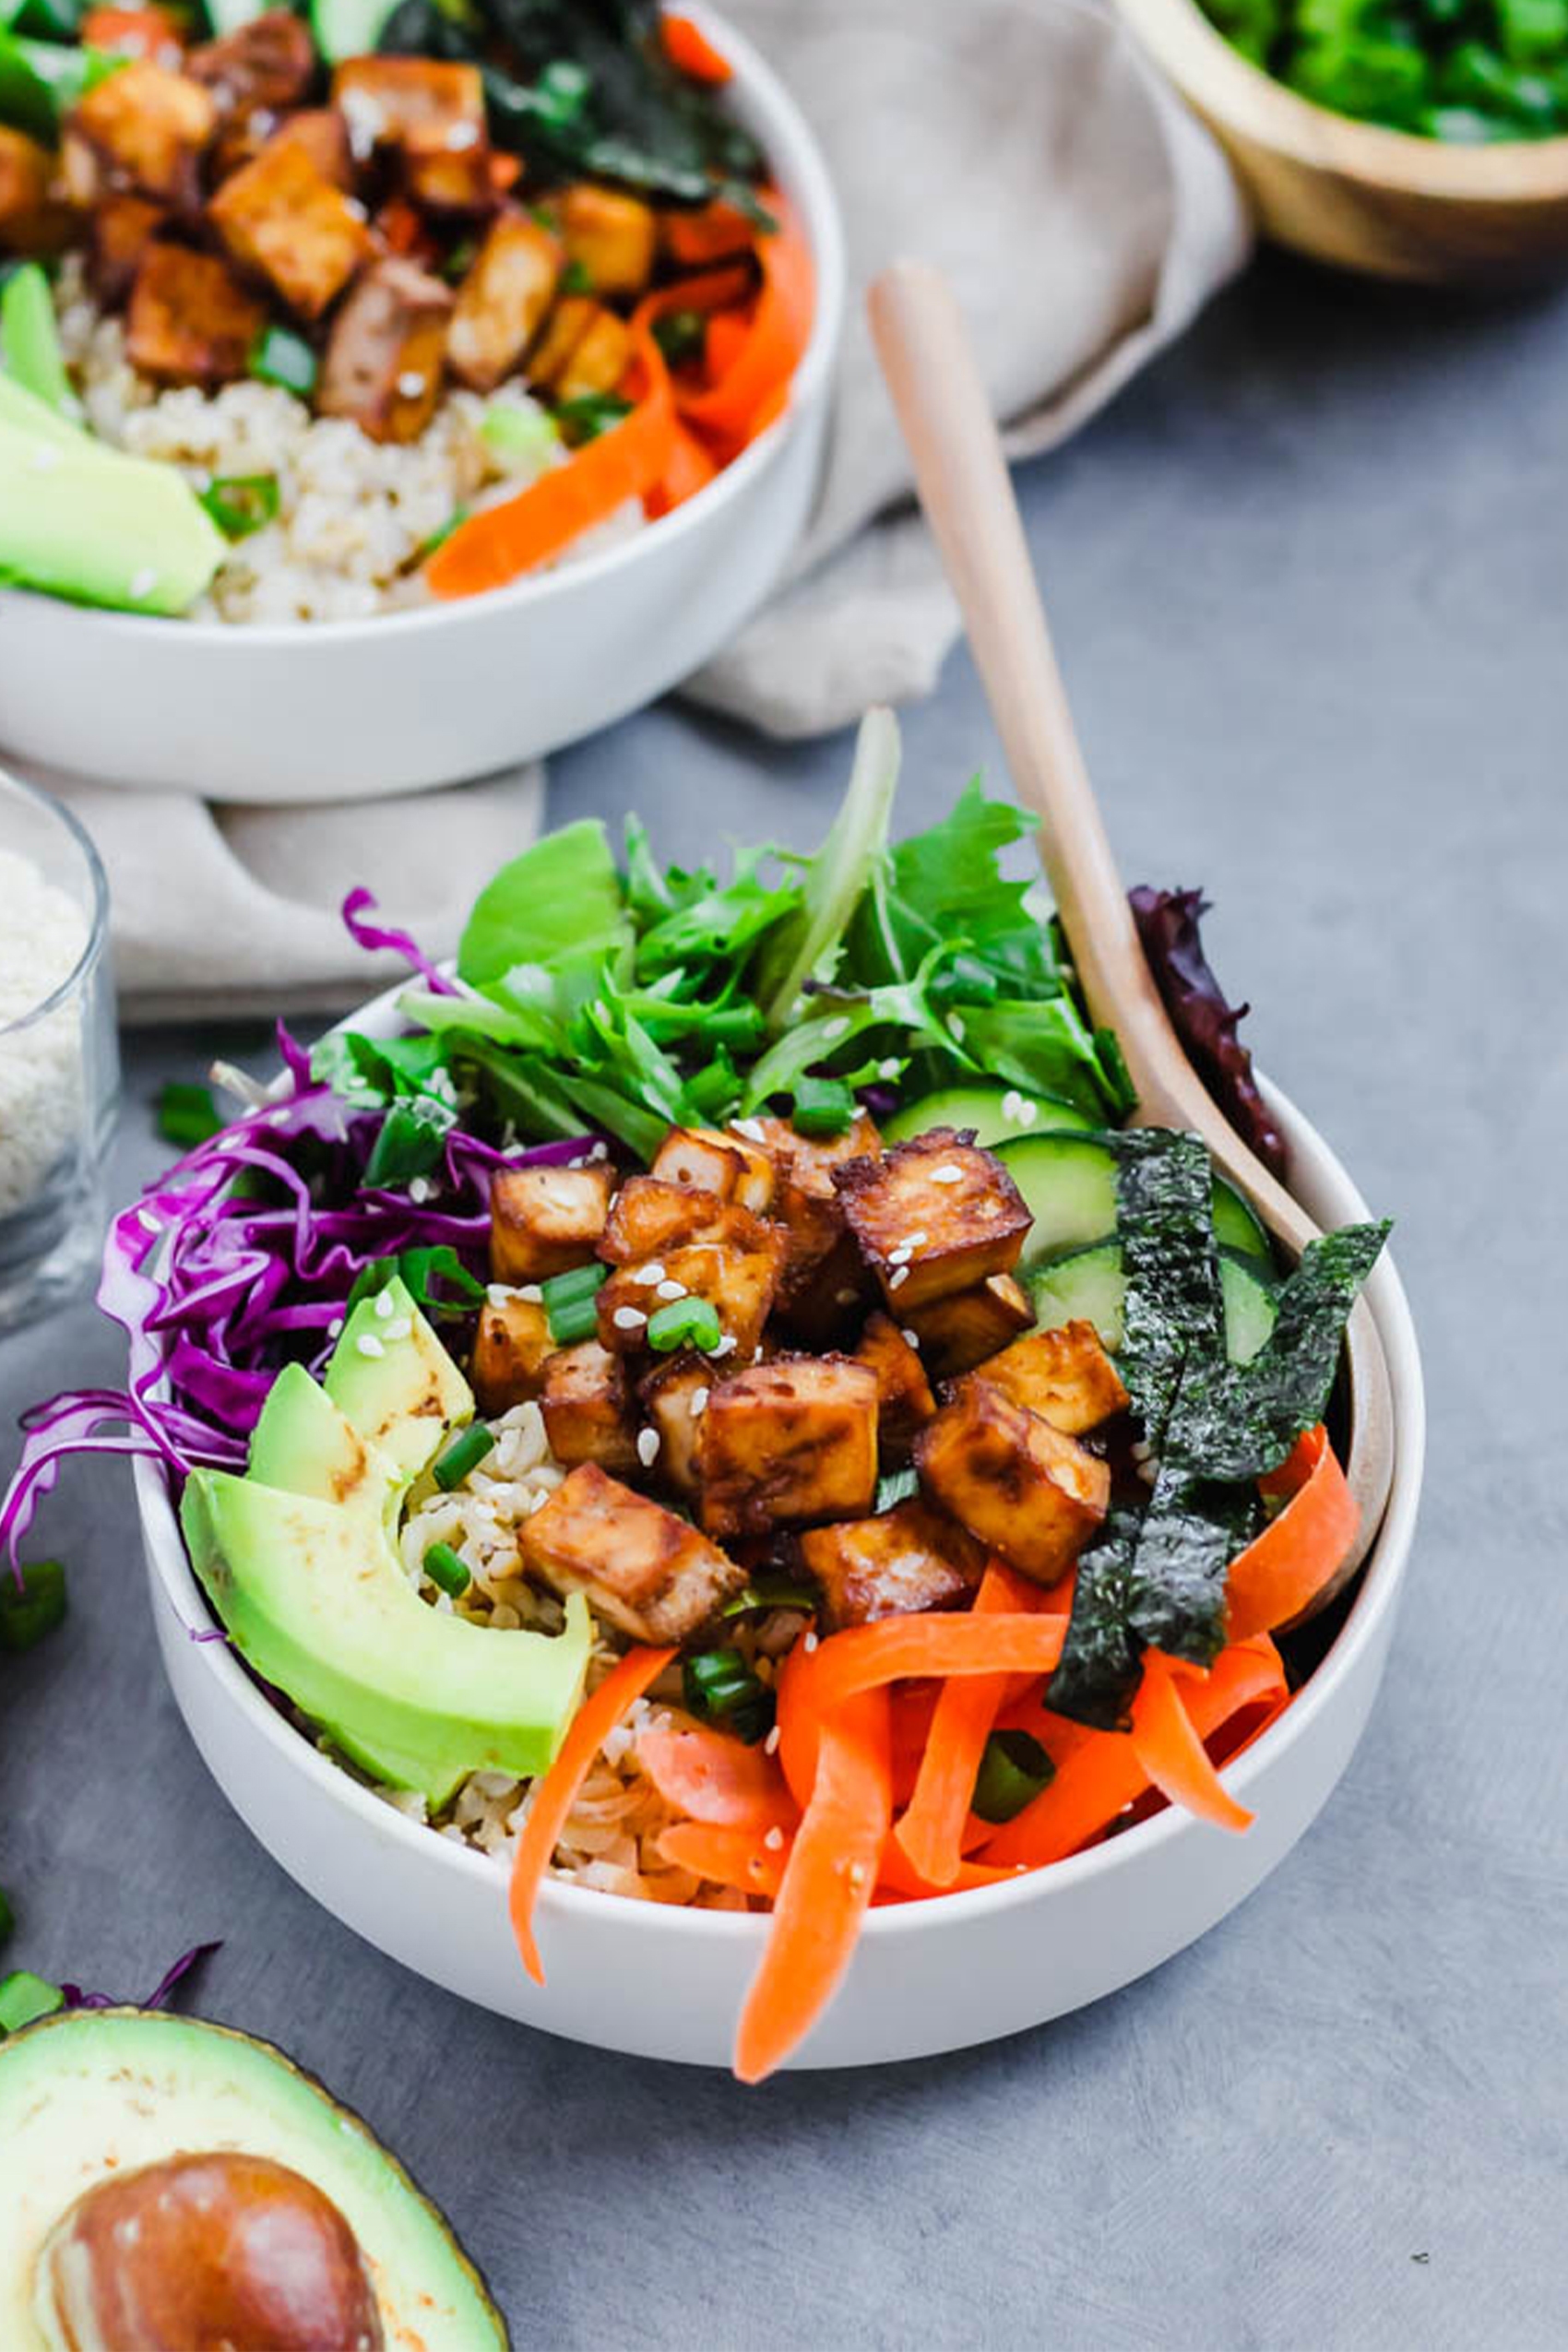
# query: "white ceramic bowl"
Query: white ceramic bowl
{"points": [[351, 710], [927, 1977]]}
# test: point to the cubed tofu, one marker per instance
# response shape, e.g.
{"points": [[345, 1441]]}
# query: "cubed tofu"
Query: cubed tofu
{"points": [[544, 1221], [501, 300], [1063, 1376], [321, 133], [267, 66], [510, 1347], [564, 330], [1019, 1486], [808, 1200], [824, 1305], [648, 1216], [739, 1283], [648, 1570], [286, 221], [586, 1407], [905, 1403], [792, 1439], [725, 1163], [904, 1561], [33, 220], [382, 366], [382, 99], [610, 237], [958, 1332], [933, 1217], [190, 320], [599, 359], [142, 128], [446, 169], [119, 232], [674, 1396]]}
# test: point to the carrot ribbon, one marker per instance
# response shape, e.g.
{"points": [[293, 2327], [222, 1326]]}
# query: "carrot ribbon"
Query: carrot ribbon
{"points": [[931, 1830], [1298, 1552], [691, 52]]}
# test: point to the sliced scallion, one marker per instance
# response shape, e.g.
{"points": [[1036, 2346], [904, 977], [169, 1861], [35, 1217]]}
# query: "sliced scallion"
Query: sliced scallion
{"points": [[571, 1303], [771, 1592], [590, 414], [26, 1616], [894, 1487], [719, 1686], [823, 1105], [519, 432], [410, 1142], [446, 1569], [684, 1323], [188, 1114], [1014, 1768], [240, 503], [279, 356], [464, 1454], [24, 1996]]}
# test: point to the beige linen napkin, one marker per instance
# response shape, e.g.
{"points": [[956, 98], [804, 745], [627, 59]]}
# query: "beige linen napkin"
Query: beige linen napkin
{"points": [[1085, 218]]}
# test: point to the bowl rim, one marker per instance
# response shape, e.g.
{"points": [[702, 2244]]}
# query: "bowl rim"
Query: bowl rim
{"points": [[1373, 1603], [795, 154], [1211, 75]]}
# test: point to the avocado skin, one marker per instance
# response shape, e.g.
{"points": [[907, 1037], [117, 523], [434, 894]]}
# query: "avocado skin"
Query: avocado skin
{"points": [[175, 2083]]}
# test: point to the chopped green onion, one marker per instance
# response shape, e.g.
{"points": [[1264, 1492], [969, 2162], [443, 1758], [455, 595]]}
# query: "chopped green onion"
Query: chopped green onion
{"points": [[7, 1917], [577, 1282], [464, 1454], [894, 1487], [823, 1105], [771, 1592], [28, 1615], [519, 432], [240, 503], [1014, 1768], [24, 1996], [188, 1114], [447, 1569], [413, 1137], [575, 278], [421, 1267], [681, 334], [719, 1686], [571, 1303], [591, 413], [279, 356], [684, 1323]]}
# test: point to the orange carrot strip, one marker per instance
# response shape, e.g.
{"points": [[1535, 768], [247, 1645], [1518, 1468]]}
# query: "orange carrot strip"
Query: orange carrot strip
{"points": [[725, 342], [1098, 1774], [556, 1794], [716, 1779], [691, 52], [1173, 1757], [932, 1829], [1297, 1553], [693, 239], [730, 1855], [725, 411], [825, 1889], [505, 171], [710, 289], [690, 470], [502, 542]]}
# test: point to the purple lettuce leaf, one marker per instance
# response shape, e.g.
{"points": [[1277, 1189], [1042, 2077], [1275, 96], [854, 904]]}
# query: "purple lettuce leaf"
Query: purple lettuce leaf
{"points": [[1205, 1021]]}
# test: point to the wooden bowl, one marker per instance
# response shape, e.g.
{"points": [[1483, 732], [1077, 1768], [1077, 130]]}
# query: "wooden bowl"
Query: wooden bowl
{"points": [[1349, 193]]}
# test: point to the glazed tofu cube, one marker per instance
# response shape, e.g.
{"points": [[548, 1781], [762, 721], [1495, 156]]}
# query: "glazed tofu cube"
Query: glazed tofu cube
{"points": [[382, 99], [143, 128], [610, 237], [726, 1164], [808, 1199], [119, 232], [267, 66], [32, 220], [510, 1347], [956, 1333], [795, 1439], [190, 320], [933, 1216], [648, 1570], [383, 357], [446, 169], [599, 359], [543, 1220], [904, 1561], [675, 1397], [320, 132], [1019, 1486], [905, 1403], [283, 219], [740, 1284], [502, 302], [586, 1407], [648, 1216], [1064, 1375], [564, 330]]}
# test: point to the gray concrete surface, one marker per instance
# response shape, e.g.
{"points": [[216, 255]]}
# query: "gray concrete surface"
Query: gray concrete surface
{"points": [[1309, 580]]}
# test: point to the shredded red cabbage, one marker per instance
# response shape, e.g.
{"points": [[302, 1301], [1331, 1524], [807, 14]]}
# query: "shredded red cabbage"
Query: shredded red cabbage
{"points": [[376, 937], [1168, 925], [75, 1998]]}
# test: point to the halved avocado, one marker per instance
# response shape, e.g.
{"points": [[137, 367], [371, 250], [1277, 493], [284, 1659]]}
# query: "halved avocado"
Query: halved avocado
{"points": [[94, 2096]]}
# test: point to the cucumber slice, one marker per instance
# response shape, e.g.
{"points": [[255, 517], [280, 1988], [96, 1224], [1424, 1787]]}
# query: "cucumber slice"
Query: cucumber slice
{"points": [[349, 28], [1069, 1187], [1089, 1285], [1236, 1225], [981, 1109], [1250, 1307]]}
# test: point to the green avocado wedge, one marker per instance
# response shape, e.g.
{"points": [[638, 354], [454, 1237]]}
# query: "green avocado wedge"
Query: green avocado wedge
{"points": [[80, 520], [91, 2094], [392, 1378]]}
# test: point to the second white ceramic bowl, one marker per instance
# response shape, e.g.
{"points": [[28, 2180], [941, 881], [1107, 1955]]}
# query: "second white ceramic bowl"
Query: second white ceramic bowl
{"points": [[346, 710], [927, 1977]]}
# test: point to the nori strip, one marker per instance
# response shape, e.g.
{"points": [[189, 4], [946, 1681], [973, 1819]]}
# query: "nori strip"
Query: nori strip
{"points": [[1164, 1218]]}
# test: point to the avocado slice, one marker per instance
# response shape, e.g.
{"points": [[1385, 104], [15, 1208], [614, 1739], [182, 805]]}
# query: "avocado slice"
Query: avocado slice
{"points": [[299, 1559], [30, 340], [94, 2094], [82, 521]]}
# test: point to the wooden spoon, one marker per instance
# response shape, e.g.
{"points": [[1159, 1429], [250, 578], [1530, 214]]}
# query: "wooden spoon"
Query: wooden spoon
{"points": [[965, 489]]}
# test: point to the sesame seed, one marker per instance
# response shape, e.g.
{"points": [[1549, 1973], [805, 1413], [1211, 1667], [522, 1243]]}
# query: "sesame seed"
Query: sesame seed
{"points": [[890, 1068], [149, 1223], [531, 1293], [600, 1151], [1027, 1111], [699, 1403], [774, 1839], [648, 1447], [753, 1130], [955, 1026], [910, 1338], [410, 384], [1011, 1102], [369, 1344], [143, 582], [901, 1256], [647, 1276], [899, 1274], [667, 1289], [382, 1307], [834, 1029], [419, 1190], [918, 1241], [770, 1745], [355, 209], [460, 137], [402, 1329], [857, 1874], [845, 1297], [948, 1173], [629, 1318], [724, 1345], [808, 1642], [335, 1327]]}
